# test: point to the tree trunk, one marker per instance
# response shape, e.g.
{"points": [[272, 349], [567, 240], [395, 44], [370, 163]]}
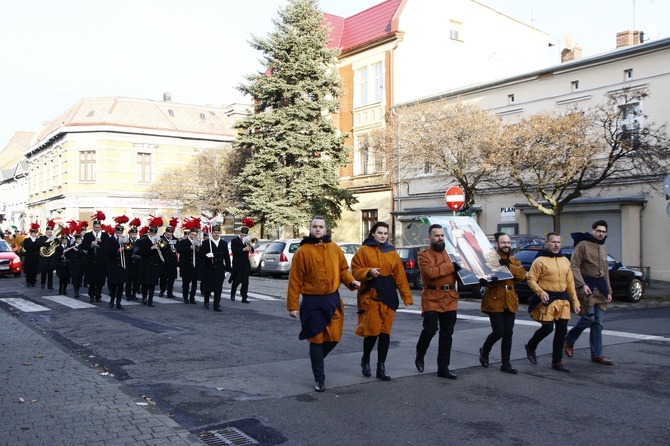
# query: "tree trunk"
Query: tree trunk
{"points": [[557, 221]]}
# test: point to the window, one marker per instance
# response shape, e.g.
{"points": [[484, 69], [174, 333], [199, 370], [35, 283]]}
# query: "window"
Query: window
{"points": [[87, 165], [510, 99], [631, 124], [575, 85], [369, 85], [143, 167], [369, 218], [202, 116], [368, 161], [455, 30], [170, 112], [427, 169], [628, 74]]}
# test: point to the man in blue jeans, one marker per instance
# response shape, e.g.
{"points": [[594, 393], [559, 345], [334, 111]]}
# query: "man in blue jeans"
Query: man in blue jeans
{"points": [[590, 269]]}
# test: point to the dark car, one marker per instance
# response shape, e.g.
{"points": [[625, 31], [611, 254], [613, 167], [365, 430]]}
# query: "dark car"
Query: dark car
{"points": [[626, 283], [408, 255], [520, 241]]}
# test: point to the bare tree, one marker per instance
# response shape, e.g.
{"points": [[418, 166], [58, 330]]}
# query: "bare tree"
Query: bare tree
{"points": [[204, 186], [456, 139], [553, 157]]}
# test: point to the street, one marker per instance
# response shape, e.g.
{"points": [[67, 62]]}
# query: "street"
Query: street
{"points": [[245, 368]]}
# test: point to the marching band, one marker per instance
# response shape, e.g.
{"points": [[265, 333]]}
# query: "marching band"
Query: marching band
{"points": [[127, 263]]}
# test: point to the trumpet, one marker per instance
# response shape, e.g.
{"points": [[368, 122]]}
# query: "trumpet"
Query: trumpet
{"points": [[50, 248], [160, 244], [253, 241]]}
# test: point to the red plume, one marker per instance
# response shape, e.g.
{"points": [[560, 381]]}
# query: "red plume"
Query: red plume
{"points": [[248, 222], [35, 226], [83, 224], [121, 219], [73, 226], [144, 230], [51, 223], [66, 230], [174, 221], [155, 221], [135, 222], [109, 229], [99, 215]]}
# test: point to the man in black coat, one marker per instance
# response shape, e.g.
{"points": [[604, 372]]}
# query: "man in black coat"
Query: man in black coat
{"points": [[96, 263], [132, 265], [116, 267], [215, 263], [189, 265], [77, 264], [169, 267], [241, 248], [150, 265], [31, 257], [47, 265]]}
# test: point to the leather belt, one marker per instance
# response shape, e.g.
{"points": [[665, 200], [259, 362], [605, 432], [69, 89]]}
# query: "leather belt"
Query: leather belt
{"points": [[442, 287]]}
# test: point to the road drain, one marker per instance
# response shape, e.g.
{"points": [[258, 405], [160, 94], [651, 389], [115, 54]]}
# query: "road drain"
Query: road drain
{"points": [[230, 436]]}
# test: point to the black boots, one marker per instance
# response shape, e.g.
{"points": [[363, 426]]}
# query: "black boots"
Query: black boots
{"points": [[381, 372], [365, 367], [483, 358]]}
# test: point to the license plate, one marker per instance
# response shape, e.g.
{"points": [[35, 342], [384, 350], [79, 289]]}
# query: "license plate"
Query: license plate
{"points": [[3, 267], [270, 260]]}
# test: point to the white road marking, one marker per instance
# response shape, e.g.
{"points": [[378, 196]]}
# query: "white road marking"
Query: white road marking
{"points": [[69, 302], [24, 305]]}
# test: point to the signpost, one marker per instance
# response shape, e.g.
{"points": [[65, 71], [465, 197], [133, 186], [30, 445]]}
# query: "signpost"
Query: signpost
{"points": [[455, 198]]}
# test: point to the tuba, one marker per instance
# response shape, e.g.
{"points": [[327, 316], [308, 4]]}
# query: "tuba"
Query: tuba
{"points": [[50, 248]]}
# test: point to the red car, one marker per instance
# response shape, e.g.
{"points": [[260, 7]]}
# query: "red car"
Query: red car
{"points": [[10, 263]]}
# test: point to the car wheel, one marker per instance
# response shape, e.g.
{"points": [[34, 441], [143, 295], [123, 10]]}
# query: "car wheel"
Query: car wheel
{"points": [[276, 276], [635, 290], [418, 283]]}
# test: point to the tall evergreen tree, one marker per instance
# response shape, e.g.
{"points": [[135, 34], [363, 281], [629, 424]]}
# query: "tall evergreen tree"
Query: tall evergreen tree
{"points": [[296, 150]]}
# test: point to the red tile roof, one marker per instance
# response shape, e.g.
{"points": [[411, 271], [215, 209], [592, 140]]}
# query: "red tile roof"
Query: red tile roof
{"points": [[366, 26]]}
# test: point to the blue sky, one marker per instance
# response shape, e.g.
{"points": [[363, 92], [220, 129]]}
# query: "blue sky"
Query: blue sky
{"points": [[52, 54]]}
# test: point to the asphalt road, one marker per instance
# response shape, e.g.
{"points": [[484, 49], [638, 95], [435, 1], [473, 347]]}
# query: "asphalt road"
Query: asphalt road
{"points": [[246, 368]]}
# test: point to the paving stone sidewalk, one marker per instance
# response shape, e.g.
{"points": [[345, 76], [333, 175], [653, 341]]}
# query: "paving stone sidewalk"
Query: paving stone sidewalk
{"points": [[49, 397]]}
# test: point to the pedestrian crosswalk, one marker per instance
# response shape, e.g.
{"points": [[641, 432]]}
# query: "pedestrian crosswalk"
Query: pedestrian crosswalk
{"points": [[30, 306]]}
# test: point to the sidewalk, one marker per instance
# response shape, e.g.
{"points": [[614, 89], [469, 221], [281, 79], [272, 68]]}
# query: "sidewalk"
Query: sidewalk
{"points": [[49, 397]]}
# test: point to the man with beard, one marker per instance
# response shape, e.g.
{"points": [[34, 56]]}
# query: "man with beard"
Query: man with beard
{"points": [[501, 303], [317, 269], [439, 301], [592, 282], [550, 278]]}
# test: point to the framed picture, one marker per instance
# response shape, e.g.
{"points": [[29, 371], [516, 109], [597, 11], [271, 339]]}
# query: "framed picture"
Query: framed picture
{"points": [[468, 246]]}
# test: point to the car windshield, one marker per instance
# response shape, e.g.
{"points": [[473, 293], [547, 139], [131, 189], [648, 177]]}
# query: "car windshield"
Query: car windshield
{"points": [[275, 248], [293, 248], [4, 247], [403, 253]]}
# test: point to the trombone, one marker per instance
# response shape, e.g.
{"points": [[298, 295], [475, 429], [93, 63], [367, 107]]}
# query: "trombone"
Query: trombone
{"points": [[160, 244]]}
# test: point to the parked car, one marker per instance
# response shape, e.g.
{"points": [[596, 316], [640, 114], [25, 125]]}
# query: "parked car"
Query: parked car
{"points": [[10, 263], [408, 255], [278, 255], [626, 283], [349, 249], [519, 241], [255, 258]]}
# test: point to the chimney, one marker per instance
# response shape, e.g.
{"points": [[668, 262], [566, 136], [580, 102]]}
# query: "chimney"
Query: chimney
{"points": [[629, 38], [167, 97], [568, 55]]}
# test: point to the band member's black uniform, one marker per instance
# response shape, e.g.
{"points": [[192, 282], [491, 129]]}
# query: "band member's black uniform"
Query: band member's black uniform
{"points": [[132, 266], [150, 265], [215, 263], [169, 267], [96, 263], [189, 266], [62, 266], [241, 248], [31, 258], [76, 262], [46, 264], [116, 267]]}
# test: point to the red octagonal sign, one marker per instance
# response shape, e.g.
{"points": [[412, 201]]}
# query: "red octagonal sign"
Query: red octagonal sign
{"points": [[455, 198]]}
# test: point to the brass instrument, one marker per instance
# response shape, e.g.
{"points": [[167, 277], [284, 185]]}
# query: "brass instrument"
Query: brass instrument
{"points": [[253, 241], [127, 243], [50, 248], [160, 244]]}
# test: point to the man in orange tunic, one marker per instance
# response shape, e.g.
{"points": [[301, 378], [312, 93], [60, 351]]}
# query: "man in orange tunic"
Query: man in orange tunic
{"points": [[439, 301], [317, 269]]}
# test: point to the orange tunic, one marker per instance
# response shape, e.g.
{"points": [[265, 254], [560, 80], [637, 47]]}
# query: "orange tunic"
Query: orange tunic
{"points": [[502, 296], [377, 317], [437, 270], [319, 269]]}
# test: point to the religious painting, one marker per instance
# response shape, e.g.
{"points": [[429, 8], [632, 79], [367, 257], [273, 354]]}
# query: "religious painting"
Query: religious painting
{"points": [[468, 246]]}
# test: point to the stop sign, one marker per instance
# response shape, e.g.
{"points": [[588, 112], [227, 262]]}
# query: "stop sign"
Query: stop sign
{"points": [[455, 198]]}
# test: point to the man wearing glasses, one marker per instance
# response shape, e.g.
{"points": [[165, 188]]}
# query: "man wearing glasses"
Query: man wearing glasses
{"points": [[591, 272]]}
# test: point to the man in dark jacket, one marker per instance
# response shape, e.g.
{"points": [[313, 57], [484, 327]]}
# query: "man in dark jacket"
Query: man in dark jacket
{"points": [[189, 265], [592, 282], [31, 257], [215, 263], [116, 267], [96, 263], [241, 247]]}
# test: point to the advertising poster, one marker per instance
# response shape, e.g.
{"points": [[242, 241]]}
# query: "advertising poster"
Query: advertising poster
{"points": [[468, 246]]}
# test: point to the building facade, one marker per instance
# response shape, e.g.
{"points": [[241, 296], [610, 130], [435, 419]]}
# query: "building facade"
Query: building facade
{"points": [[635, 208], [401, 50]]}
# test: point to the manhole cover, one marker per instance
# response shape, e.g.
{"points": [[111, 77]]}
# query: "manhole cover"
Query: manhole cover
{"points": [[229, 436]]}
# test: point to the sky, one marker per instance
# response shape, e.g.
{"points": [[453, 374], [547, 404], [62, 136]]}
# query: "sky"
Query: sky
{"points": [[53, 54]]}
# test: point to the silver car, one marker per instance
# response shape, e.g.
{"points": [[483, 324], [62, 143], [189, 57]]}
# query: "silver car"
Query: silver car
{"points": [[278, 255], [255, 258]]}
